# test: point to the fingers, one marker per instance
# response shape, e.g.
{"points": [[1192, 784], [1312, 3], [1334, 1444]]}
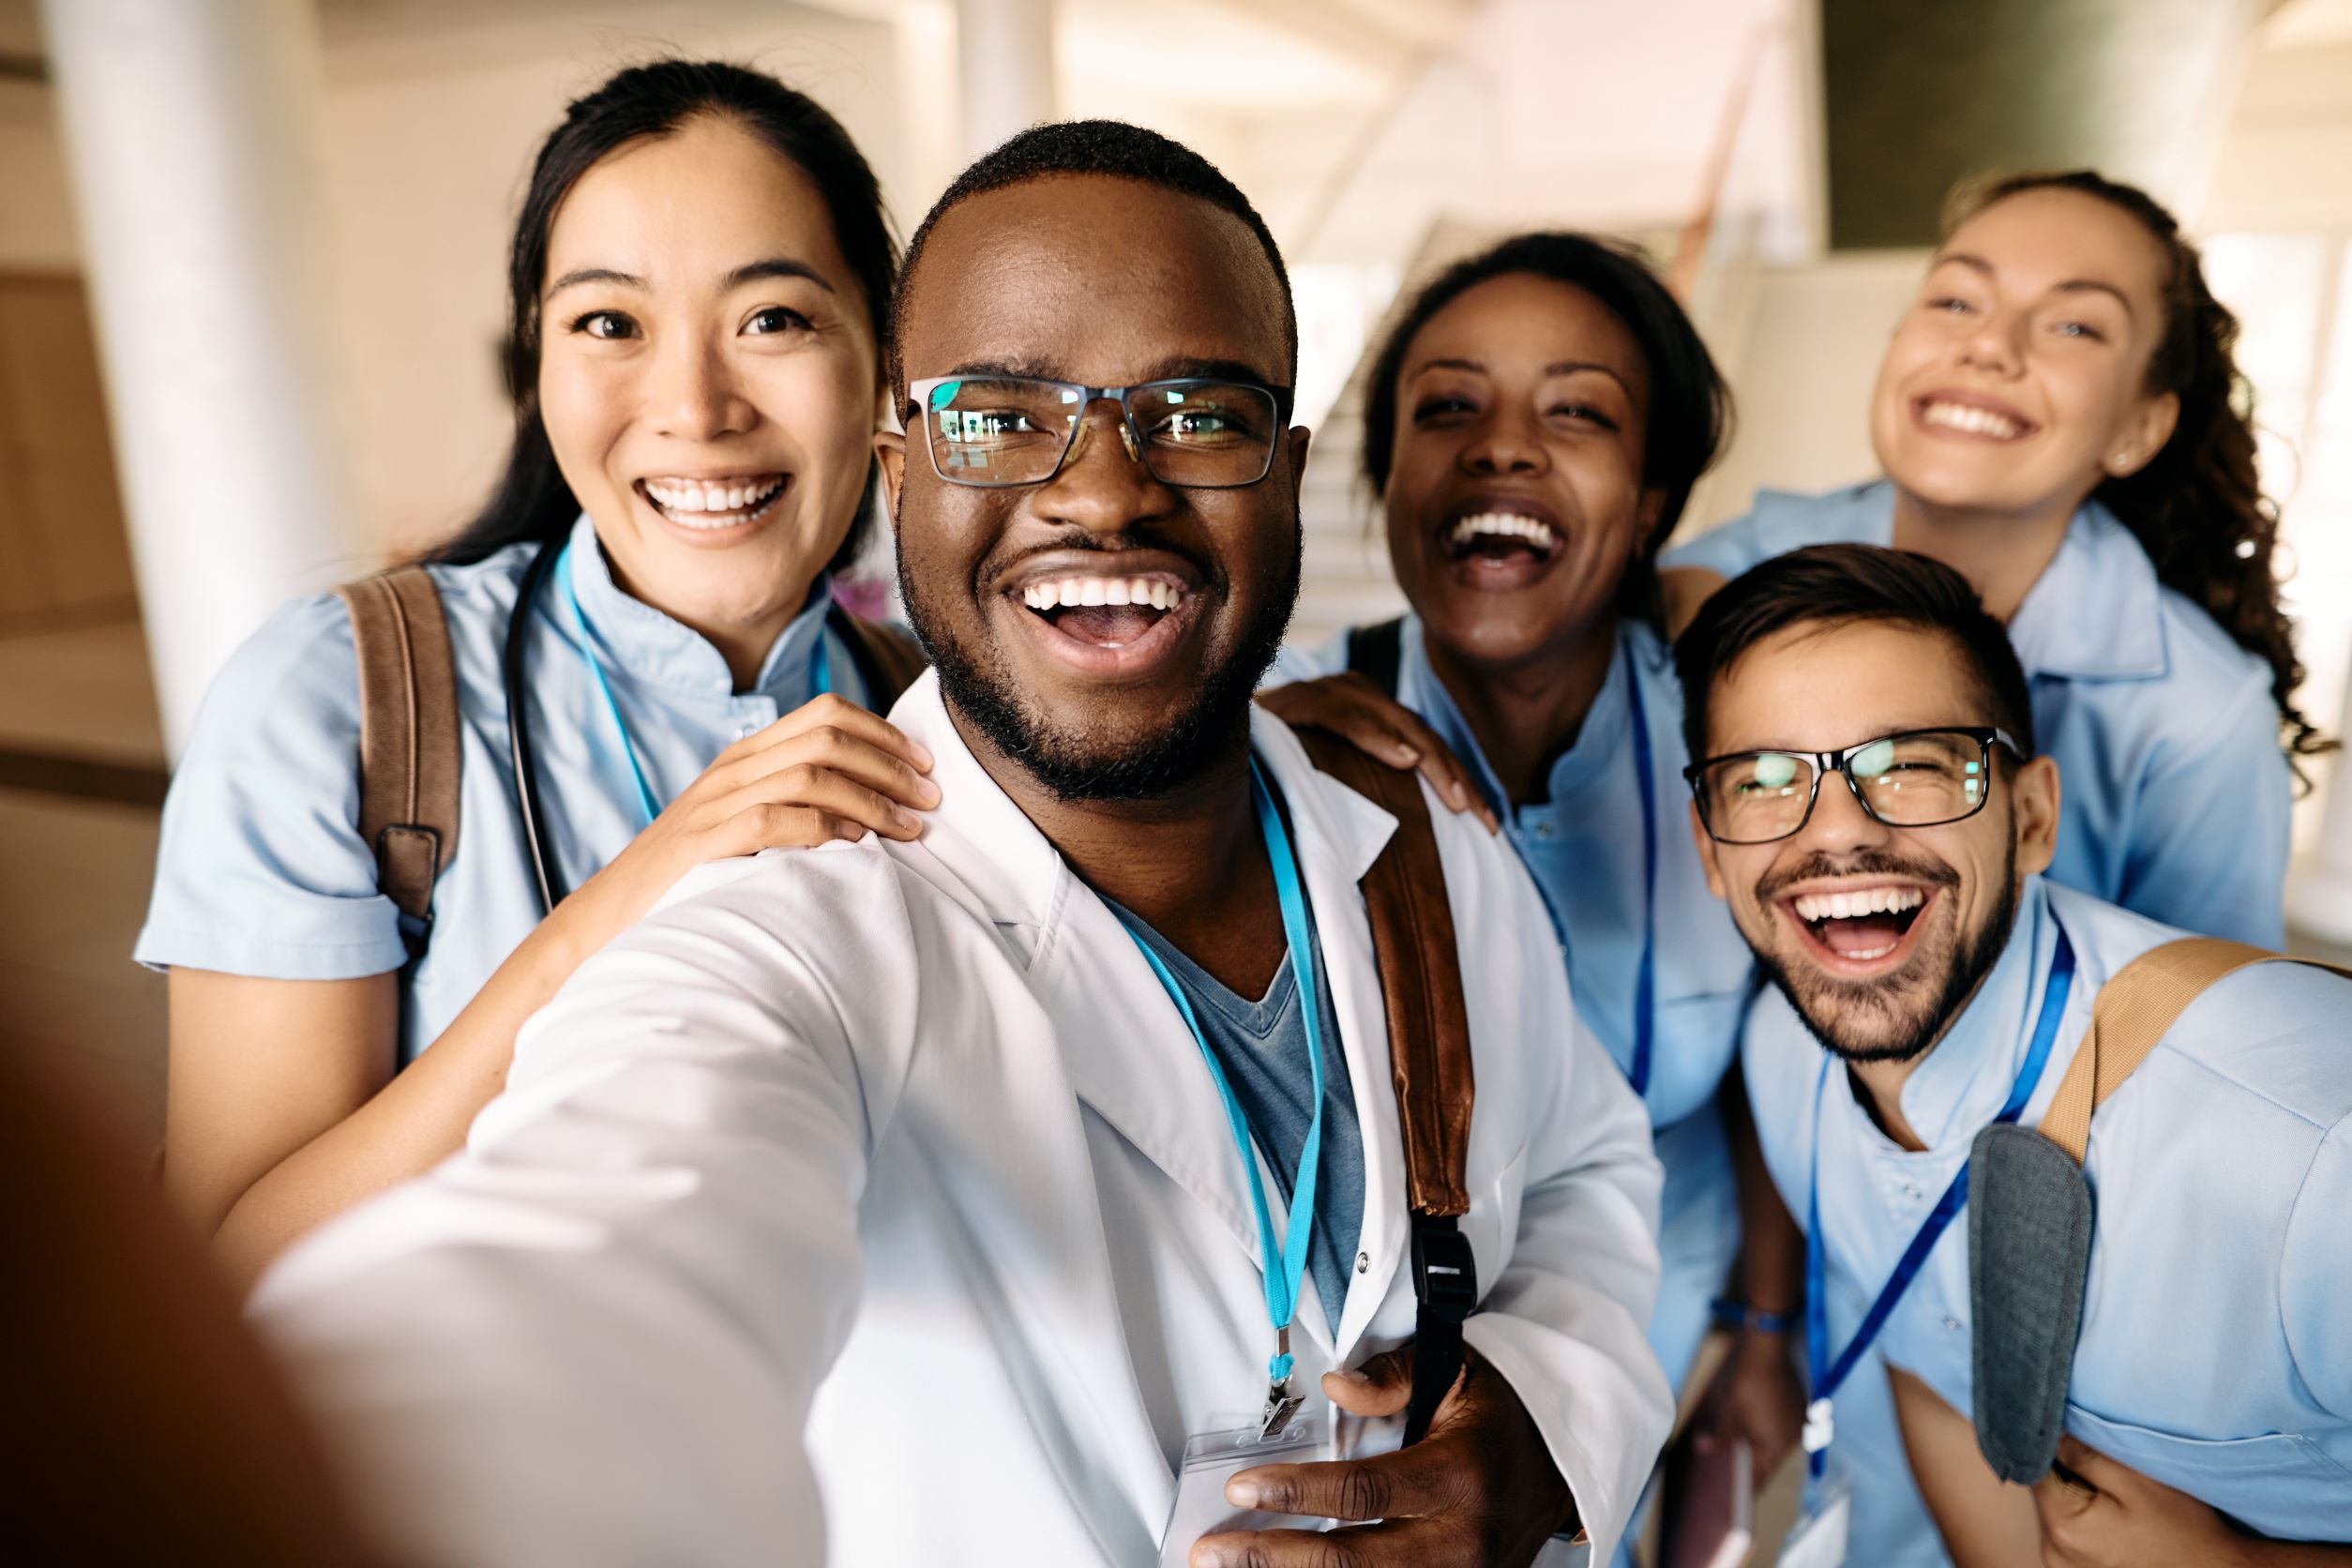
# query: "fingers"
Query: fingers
{"points": [[1405, 1484], [869, 751], [1381, 1386], [806, 805], [1383, 729], [1412, 1543], [830, 712]]}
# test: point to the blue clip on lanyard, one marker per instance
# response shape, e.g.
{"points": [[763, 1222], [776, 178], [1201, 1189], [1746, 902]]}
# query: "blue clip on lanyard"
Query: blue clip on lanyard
{"points": [[820, 672], [1283, 1281], [1645, 977], [1828, 1378]]}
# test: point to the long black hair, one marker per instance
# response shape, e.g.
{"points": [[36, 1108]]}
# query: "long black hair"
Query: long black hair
{"points": [[2197, 508], [1689, 418], [531, 501]]}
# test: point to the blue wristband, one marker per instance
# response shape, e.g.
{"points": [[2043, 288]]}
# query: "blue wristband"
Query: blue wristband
{"points": [[1729, 1314]]}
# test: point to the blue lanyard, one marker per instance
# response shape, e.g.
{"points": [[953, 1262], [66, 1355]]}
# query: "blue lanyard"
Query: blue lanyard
{"points": [[1645, 977], [1828, 1378], [820, 680], [1282, 1281]]}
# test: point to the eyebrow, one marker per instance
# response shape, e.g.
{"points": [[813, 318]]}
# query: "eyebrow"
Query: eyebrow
{"points": [[1558, 368], [1178, 368], [2072, 285], [750, 271]]}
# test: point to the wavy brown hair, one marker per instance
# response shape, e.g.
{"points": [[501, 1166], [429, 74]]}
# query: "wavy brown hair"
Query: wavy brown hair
{"points": [[2197, 508]]}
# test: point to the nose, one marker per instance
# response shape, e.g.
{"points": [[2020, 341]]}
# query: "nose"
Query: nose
{"points": [[695, 394], [1839, 825], [1103, 485], [1993, 343], [1507, 441]]}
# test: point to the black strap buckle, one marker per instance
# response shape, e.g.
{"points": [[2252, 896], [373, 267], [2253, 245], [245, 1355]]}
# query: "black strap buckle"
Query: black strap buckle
{"points": [[1446, 1284]]}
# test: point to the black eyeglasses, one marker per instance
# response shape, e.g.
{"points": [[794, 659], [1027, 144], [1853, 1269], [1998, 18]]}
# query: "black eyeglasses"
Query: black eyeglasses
{"points": [[995, 430], [1912, 779]]}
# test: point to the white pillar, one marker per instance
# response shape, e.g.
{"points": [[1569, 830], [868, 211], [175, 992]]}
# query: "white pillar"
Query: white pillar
{"points": [[2319, 887], [191, 128], [1006, 49]]}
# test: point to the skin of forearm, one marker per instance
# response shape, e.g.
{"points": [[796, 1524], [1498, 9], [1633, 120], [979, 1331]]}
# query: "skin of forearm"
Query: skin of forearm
{"points": [[417, 1119]]}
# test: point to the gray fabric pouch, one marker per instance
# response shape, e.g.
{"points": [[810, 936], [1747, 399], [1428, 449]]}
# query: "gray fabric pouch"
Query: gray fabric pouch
{"points": [[2030, 1220]]}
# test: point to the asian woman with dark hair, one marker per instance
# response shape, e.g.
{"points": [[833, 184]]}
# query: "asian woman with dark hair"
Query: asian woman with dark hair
{"points": [[700, 275]]}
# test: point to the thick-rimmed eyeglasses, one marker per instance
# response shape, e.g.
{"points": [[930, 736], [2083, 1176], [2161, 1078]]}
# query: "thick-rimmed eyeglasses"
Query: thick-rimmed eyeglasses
{"points": [[1912, 779], [995, 430]]}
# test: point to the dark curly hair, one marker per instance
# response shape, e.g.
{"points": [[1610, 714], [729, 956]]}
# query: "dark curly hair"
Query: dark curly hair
{"points": [[2197, 508], [1689, 418], [531, 502]]}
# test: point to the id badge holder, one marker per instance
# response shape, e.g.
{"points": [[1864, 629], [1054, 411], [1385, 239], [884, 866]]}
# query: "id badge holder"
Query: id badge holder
{"points": [[1818, 1538], [1212, 1458]]}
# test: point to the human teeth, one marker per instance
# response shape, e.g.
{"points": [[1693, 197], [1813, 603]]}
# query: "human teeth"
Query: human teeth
{"points": [[692, 497], [1976, 421], [1849, 906], [1509, 525], [1102, 591]]}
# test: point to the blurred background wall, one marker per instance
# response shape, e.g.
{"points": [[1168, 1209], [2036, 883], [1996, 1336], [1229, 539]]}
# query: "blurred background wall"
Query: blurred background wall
{"points": [[250, 258]]}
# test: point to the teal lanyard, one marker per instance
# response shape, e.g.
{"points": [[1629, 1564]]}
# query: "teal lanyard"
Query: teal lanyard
{"points": [[821, 681], [1282, 1281]]}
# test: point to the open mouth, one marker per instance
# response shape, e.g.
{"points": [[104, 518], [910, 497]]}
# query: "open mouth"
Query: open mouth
{"points": [[708, 505], [1972, 419], [1106, 612], [1859, 926], [1502, 538]]}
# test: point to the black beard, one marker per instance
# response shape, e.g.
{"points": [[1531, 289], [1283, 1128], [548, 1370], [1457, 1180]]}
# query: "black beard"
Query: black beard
{"points": [[1974, 961], [1059, 756]]}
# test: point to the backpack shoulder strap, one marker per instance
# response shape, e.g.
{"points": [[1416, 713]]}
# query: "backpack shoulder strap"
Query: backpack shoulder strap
{"points": [[408, 739], [888, 660], [1413, 944], [2133, 1012], [1378, 653]]}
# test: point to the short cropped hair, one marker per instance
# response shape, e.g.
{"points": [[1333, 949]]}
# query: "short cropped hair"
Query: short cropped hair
{"points": [[1112, 147], [1834, 585]]}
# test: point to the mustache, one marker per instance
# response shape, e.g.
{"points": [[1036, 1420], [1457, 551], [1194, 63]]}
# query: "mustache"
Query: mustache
{"points": [[1869, 863], [1075, 540]]}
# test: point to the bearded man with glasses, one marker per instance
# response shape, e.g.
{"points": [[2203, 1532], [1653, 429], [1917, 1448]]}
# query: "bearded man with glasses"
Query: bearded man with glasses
{"points": [[1869, 804]]}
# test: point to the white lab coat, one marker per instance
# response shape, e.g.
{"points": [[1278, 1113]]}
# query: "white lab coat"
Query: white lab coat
{"points": [[595, 1336]]}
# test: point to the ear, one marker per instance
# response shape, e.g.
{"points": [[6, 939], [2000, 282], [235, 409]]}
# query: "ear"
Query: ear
{"points": [[1294, 450], [890, 451], [1706, 843], [2034, 808], [2143, 436], [1647, 510]]}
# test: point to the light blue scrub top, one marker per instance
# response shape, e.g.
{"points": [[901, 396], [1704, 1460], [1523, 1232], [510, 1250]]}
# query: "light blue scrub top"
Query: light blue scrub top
{"points": [[2175, 795], [1583, 846], [2216, 1347], [262, 870]]}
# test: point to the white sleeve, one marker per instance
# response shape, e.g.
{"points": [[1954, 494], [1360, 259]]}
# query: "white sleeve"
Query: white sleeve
{"points": [[594, 1335], [1567, 1324]]}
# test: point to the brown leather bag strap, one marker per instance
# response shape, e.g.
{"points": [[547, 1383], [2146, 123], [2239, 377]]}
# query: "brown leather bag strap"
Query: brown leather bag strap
{"points": [[888, 660], [2133, 1012], [408, 739], [1413, 944], [1420, 979]]}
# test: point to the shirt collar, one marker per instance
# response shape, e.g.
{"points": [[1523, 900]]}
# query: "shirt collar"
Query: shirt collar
{"points": [[1962, 1083], [1604, 736], [652, 646], [2095, 612]]}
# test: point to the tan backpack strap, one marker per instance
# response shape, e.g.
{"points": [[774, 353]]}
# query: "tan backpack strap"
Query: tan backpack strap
{"points": [[408, 738], [2133, 1012], [890, 659], [1420, 979]]}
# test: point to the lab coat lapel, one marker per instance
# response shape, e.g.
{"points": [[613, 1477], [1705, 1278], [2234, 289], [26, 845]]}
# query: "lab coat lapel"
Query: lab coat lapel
{"points": [[1339, 833]]}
